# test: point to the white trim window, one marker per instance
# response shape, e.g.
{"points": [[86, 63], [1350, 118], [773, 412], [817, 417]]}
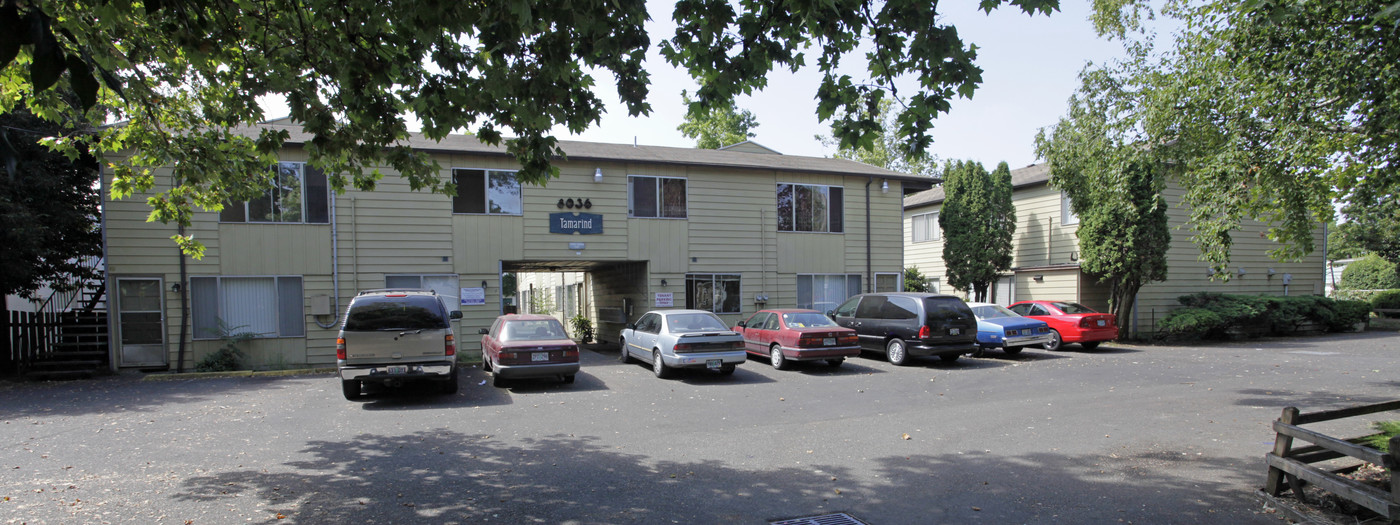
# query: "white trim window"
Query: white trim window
{"points": [[824, 292], [299, 195], [444, 285], [888, 282], [934, 285], [1067, 216], [656, 197], [267, 306], [811, 208], [718, 293], [486, 192], [925, 226]]}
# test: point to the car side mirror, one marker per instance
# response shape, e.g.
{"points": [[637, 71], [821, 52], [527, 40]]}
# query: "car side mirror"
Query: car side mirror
{"points": [[455, 314], [831, 313], [632, 326], [483, 331], [743, 324]]}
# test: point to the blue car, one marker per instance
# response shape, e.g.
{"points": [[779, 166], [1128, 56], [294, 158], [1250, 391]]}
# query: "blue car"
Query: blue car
{"points": [[998, 327]]}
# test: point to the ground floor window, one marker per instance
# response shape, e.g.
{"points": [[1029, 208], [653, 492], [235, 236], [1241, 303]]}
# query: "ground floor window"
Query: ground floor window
{"points": [[717, 293], [266, 306], [445, 286], [824, 292], [933, 285], [887, 282]]}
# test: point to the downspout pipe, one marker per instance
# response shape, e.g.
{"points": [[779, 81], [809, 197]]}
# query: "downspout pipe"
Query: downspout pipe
{"points": [[335, 270], [869, 266]]}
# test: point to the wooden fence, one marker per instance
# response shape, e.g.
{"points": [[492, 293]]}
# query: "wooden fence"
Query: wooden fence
{"points": [[1292, 468], [29, 336]]}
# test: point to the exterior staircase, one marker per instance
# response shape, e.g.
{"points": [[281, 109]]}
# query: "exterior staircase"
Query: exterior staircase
{"points": [[77, 340]]}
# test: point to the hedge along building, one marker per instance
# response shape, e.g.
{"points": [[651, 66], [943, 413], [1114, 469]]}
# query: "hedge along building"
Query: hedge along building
{"points": [[730, 231], [1045, 254]]}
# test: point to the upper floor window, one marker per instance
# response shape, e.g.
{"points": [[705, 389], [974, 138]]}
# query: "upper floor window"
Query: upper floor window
{"points": [[299, 194], [926, 227], [1067, 216], [656, 197], [492, 192], [811, 208]]}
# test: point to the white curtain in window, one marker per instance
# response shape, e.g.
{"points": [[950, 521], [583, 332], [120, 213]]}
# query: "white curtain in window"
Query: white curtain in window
{"points": [[249, 304]]}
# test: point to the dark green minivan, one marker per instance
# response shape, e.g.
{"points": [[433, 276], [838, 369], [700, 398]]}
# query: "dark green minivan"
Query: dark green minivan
{"points": [[906, 324]]}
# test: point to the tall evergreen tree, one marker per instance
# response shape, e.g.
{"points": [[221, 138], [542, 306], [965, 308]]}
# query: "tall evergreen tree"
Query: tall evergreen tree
{"points": [[48, 210], [978, 221]]}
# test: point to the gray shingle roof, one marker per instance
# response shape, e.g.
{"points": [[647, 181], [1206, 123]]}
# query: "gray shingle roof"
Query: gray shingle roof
{"points": [[577, 150], [1032, 175]]}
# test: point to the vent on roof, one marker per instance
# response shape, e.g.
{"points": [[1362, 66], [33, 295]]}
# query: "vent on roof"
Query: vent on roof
{"points": [[839, 518]]}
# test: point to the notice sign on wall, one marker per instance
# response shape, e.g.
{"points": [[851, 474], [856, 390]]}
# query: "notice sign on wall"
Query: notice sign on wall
{"points": [[473, 296], [664, 300]]}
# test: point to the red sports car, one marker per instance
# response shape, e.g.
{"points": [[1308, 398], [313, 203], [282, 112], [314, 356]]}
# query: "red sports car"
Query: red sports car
{"points": [[786, 335], [1070, 323]]}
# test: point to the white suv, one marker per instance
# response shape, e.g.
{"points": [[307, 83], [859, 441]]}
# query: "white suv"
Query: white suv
{"points": [[393, 336]]}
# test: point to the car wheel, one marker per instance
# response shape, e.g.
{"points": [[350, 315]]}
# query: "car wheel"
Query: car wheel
{"points": [[896, 352], [1012, 350], [949, 358], [351, 389], [658, 366], [835, 362], [569, 379], [1055, 341], [775, 355], [449, 387], [498, 381], [1090, 346], [726, 370], [622, 354]]}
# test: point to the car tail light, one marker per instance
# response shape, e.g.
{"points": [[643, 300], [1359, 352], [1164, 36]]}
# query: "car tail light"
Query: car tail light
{"points": [[449, 345], [571, 353], [681, 347], [925, 332], [737, 345], [340, 348], [848, 339]]}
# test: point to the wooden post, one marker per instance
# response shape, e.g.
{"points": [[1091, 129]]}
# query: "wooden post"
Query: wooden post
{"points": [[1394, 476], [1282, 443]]}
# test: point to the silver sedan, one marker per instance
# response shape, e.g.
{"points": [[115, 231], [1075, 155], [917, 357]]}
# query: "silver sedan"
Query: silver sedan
{"points": [[682, 339]]}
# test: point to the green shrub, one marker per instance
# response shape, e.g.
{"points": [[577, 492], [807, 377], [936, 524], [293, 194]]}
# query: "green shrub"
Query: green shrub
{"points": [[1241, 311], [1349, 313], [1386, 299], [227, 357], [1189, 324], [1370, 273]]}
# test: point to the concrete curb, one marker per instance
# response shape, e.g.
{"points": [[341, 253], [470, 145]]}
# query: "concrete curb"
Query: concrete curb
{"points": [[238, 373]]}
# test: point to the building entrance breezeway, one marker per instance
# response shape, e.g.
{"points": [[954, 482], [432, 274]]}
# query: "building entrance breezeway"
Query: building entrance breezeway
{"points": [[607, 293]]}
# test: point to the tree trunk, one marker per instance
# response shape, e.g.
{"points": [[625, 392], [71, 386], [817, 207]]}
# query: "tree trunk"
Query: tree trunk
{"points": [[1120, 304]]}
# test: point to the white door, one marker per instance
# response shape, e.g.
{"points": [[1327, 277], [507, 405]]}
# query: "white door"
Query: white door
{"points": [[141, 322], [1003, 292]]}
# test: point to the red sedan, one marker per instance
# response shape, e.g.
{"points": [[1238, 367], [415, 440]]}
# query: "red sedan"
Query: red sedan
{"points": [[1070, 323], [786, 335], [523, 346]]}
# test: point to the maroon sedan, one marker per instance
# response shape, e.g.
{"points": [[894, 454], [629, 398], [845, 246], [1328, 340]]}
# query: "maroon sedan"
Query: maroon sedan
{"points": [[786, 335], [521, 346], [1070, 322]]}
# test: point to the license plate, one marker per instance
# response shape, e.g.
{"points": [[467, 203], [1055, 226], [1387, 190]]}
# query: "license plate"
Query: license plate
{"points": [[829, 341], [713, 364], [954, 331], [398, 370], [539, 356], [1102, 322]]}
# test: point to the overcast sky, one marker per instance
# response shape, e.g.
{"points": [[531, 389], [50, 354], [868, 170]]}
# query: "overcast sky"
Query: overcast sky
{"points": [[1030, 69]]}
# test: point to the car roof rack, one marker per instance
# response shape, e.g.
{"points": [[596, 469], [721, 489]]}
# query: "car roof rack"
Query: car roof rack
{"points": [[390, 290]]}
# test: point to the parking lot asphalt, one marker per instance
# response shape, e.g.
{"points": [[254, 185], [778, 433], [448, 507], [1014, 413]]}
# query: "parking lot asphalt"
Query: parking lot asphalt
{"points": [[1124, 434]]}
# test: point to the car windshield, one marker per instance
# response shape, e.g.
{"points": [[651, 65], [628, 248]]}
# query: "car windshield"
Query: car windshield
{"points": [[414, 312], [684, 323], [806, 320], [1073, 308], [533, 330], [992, 311]]}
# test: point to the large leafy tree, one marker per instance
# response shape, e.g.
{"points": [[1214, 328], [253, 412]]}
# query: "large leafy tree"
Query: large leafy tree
{"points": [[978, 222], [48, 211], [180, 74], [717, 126], [887, 150], [1272, 110]]}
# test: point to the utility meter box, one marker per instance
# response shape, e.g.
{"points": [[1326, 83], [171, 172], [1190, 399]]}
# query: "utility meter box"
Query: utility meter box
{"points": [[321, 305]]}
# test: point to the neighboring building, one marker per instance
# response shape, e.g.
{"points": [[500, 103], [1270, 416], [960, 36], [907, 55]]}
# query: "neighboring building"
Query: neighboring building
{"points": [[728, 231], [1045, 250]]}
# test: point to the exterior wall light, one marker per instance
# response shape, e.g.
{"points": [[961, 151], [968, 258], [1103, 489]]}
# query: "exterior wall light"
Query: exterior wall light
{"points": [[598, 175], [885, 186], [663, 282], [1039, 278], [483, 284]]}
